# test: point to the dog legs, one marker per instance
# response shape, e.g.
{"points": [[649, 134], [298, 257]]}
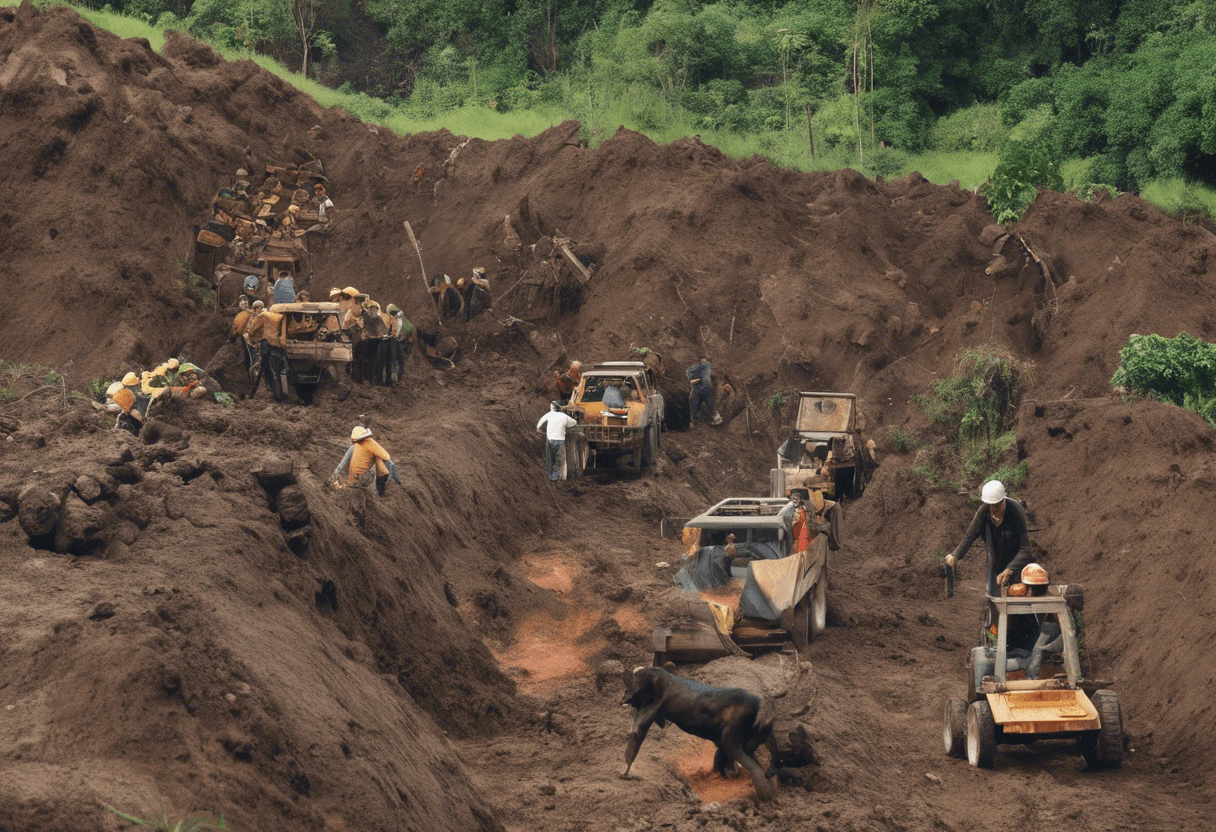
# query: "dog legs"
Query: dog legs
{"points": [[733, 746], [641, 724]]}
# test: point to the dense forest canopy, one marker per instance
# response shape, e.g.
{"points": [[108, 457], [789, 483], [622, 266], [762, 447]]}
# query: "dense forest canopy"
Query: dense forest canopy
{"points": [[1130, 86]]}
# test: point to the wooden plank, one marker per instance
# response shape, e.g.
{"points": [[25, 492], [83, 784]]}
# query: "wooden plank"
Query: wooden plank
{"points": [[582, 271]]}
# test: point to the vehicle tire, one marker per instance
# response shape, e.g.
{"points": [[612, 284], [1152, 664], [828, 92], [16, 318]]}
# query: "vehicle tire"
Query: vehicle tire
{"points": [[305, 392], [954, 727], [574, 458], [819, 605], [859, 479], [1109, 746], [638, 454], [650, 450], [981, 735], [801, 632], [834, 527]]}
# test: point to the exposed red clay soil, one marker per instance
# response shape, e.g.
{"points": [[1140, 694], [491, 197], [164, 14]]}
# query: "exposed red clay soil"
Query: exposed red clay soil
{"points": [[448, 657]]}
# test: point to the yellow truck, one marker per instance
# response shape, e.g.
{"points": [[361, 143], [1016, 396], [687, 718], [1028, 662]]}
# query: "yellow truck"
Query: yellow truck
{"points": [[622, 430], [825, 451]]}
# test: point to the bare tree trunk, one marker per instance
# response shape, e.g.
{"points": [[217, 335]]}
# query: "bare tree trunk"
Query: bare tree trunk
{"points": [[857, 100], [810, 129], [870, 40]]}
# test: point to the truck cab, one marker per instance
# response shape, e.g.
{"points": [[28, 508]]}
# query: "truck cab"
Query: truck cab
{"points": [[825, 451], [628, 432]]}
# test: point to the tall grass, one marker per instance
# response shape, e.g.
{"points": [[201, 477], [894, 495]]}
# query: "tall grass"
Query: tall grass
{"points": [[644, 110]]}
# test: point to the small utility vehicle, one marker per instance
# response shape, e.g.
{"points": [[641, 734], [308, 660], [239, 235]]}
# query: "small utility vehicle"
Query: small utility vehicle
{"points": [[628, 433], [1003, 706], [825, 452], [314, 342]]}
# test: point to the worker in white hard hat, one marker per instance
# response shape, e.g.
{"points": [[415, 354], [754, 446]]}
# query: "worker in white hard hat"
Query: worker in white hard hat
{"points": [[1001, 521], [364, 453]]}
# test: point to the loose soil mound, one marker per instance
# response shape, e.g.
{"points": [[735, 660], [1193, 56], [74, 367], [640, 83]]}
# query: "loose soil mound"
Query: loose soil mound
{"points": [[179, 633]]}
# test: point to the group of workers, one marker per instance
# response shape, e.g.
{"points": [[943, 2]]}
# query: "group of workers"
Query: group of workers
{"points": [[132, 397], [468, 296], [276, 211]]}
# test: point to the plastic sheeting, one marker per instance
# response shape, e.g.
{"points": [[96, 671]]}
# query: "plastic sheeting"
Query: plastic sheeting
{"points": [[769, 589]]}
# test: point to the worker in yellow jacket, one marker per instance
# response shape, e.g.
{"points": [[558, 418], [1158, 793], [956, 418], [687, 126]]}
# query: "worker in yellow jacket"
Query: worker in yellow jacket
{"points": [[364, 453]]}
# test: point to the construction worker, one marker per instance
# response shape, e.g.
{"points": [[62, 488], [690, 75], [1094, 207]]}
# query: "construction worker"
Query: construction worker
{"points": [[555, 424], [133, 403], [1002, 523], [701, 396], [401, 339], [322, 202], [364, 453], [476, 294], [247, 328], [565, 383], [273, 366], [284, 287], [193, 381], [249, 291], [375, 336], [447, 296]]}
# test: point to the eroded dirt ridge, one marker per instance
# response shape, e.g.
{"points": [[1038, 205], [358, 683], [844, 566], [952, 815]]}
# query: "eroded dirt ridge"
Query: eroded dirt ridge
{"points": [[193, 622]]}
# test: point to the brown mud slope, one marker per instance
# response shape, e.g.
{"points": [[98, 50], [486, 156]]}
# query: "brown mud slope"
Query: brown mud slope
{"points": [[178, 634]]}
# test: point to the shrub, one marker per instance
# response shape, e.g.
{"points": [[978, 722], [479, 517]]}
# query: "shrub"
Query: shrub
{"points": [[777, 400], [905, 441], [1015, 183], [1181, 371], [977, 129], [96, 389]]}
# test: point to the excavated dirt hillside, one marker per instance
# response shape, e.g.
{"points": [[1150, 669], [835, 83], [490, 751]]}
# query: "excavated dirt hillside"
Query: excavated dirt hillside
{"points": [[193, 622]]}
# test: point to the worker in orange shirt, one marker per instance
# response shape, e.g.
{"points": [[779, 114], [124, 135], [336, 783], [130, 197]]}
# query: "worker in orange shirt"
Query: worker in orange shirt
{"points": [[364, 453]]}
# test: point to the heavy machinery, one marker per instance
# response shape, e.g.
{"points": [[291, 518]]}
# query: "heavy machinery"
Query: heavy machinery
{"points": [[1003, 706], [614, 435], [745, 588], [314, 343], [825, 451]]}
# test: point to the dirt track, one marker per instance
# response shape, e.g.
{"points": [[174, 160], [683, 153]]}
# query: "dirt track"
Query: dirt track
{"points": [[428, 661]]}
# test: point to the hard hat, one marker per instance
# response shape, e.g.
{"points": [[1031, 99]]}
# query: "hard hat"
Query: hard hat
{"points": [[334, 292], [294, 209], [160, 371], [252, 282], [392, 309], [1034, 575], [371, 304], [1018, 590], [172, 363], [129, 379], [242, 172], [187, 367], [993, 492], [816, 501], [360, 433], [460, 283], [319, 188], [113, 388], [257, 304], [479, 270], [350, 290]]}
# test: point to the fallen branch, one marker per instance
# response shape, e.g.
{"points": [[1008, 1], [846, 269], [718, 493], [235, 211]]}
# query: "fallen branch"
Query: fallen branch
{"points": [[32, 392]]}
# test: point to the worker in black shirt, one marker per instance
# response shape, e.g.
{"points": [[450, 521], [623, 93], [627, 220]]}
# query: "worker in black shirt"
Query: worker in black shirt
{"points": [[1002, 523]]}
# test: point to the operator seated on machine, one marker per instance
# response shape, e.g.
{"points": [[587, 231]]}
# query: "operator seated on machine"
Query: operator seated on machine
{"points": [[1030, 638]]}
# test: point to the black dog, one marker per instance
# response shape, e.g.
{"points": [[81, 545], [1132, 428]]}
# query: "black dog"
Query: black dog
{"points": [[735, 720]]}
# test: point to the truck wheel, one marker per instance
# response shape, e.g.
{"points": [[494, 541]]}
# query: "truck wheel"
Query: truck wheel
{"points": [[638, 454], [651, 449], [954, 727], [819, 604], [981, 735], [801, 632], [574, 458], [1109, 745], [305, 392], [834, 527]]}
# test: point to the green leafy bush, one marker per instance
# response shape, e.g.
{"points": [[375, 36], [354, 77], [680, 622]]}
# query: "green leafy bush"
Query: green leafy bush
{"points": [[905, 441], [977, 408], [977, 129], [1181, 371], [1021, 172], [777, 400]]}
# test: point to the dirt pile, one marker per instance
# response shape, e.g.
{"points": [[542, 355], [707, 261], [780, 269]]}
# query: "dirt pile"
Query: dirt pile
{"points": [[182, 632]]}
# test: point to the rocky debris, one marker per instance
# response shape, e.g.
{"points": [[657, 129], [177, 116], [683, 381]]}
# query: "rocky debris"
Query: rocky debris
{"points": [[8, 503], [88, 489], [608, 674], [38, 511], [81, 527], [293, 507], [275, 473]]}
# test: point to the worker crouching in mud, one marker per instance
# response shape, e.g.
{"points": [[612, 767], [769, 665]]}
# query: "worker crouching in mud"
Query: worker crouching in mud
{"points": [[364, 454]]}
